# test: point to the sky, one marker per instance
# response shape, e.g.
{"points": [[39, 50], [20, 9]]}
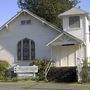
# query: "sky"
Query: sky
{"points": [[8, 8]]}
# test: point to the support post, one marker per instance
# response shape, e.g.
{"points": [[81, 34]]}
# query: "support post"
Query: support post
{"points": [[79, 65]]}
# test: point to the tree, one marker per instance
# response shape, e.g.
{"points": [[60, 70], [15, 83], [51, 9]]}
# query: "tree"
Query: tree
{"points": [[48, 9]]}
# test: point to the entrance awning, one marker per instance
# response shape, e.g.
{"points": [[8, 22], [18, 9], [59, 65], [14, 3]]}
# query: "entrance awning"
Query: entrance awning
{"points": [[65, 39]]}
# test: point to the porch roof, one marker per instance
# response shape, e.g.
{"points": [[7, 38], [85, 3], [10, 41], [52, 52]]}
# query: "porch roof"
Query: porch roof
{"points": [[68, 35]]}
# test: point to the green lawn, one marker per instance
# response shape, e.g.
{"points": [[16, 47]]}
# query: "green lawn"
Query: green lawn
{"points": [[32, 85]]}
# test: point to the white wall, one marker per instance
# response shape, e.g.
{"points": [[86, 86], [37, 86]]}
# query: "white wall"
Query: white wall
{"points": [[81, 33], [77, 32], [66, 56], [37, 31]]}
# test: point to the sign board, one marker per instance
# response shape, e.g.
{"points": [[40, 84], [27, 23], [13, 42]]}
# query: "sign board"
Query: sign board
{"points": [[25, 75], [25, 69]]}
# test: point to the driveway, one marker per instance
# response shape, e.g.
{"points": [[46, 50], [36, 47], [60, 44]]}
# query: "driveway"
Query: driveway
{"points": [[31, 85]]}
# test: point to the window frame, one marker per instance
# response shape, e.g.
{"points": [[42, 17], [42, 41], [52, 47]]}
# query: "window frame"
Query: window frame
{"points": [[21, 53], [25, 22], [74, 25], [28, 22], [22, 22]]}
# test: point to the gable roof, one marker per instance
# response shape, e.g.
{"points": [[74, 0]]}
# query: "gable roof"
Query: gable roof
{"points": [[73, 11], [69, 35], [33, 15]]}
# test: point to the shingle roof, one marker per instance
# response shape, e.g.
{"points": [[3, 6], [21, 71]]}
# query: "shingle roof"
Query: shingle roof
{"points": [[73, 11]]}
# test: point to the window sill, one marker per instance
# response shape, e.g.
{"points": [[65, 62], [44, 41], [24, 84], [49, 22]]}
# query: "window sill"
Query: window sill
{"points": [[70, 29]]}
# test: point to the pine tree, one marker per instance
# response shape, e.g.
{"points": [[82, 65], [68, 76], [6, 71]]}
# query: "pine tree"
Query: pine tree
{"points": [[48, 9]]}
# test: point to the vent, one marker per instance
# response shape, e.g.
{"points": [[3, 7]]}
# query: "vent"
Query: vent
{"points": [[68, 44], [25, 22]]}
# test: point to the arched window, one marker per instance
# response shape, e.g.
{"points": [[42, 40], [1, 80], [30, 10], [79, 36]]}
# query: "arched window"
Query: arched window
{"points": [[26, 49]]}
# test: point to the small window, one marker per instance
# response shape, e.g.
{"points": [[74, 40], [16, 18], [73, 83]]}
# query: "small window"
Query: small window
{"points": [[28, 21], [23, 22], [74, 22]]}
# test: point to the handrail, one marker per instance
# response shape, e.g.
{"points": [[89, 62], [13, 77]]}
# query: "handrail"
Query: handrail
{"points": [[47, 69]]}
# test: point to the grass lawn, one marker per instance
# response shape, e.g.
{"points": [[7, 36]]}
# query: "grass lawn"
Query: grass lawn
{"points": [[32, 85]]}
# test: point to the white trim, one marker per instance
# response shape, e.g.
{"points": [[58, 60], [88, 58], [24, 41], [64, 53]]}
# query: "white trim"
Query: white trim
{"points": [[69, 35], [54, 39], [30, 49], [33, 15], [22, 50], [75, 38]]}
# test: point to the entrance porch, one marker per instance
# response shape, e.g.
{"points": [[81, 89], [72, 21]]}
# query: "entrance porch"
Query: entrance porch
{"points": [[66, 49]]}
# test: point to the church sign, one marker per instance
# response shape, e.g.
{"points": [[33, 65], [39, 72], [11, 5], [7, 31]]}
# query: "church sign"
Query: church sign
{"points": [[26, 71]]}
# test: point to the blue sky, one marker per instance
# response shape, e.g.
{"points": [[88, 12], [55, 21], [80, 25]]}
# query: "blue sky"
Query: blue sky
{"points": [[9, 8]]}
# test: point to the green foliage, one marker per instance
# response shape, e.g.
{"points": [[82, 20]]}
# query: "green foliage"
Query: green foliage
{"points": [[9, 79], [84, 72], [4, 65], [42, 64], [62, 74], [48, 9]]}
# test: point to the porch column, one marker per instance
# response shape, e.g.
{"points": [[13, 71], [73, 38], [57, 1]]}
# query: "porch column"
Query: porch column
{"points": [[79, 64]]}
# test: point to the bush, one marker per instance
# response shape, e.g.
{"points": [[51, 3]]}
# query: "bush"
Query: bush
{"points": [[42, 64], [84, 72], [4, 65], [62, 74]]}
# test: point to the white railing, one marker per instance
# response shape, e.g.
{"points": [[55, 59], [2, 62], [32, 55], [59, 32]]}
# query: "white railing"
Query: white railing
{"points": [[48, 68]]}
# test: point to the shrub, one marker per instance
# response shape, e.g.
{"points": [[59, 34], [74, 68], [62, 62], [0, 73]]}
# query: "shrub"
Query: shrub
{"points": [[62, 74], [84, 72], [42, 64], [4, 65]]}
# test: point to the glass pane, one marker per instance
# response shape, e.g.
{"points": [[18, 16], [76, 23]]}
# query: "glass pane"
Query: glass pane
{"points": [[28, 21], [32, 50], [19, 51], [22, 22], [26, 49], [74, 22]]}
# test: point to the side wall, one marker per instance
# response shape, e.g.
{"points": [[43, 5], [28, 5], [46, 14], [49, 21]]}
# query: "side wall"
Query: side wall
{"points": [[37, 31], [77, 32]]}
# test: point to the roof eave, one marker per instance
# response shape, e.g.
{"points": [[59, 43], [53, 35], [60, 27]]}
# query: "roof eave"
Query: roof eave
{"points": [[35, 16], [78, 40], [60, 16]]}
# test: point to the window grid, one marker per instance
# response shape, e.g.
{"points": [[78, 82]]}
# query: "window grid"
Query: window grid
{"points": [[22, 54], [25, 22]]}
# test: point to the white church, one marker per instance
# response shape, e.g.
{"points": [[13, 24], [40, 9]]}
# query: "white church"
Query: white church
{"points": [[26, 37]]}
